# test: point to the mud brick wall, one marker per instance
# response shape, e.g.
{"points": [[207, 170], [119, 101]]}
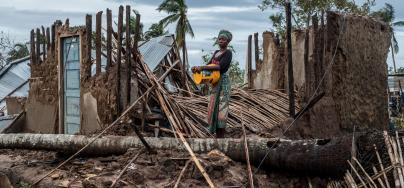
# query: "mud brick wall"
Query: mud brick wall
{"points": [[269, 72], [355, 87], [358, 80]]}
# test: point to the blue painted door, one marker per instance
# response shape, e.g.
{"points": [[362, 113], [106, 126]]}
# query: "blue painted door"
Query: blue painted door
{"points": [[71, 57]]}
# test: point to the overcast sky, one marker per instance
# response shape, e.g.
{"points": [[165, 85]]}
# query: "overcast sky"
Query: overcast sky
{"points": [[207, 17]]}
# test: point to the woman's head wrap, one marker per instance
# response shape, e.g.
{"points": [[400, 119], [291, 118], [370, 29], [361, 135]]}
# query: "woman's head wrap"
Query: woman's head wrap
{"points": [[226, 34]]}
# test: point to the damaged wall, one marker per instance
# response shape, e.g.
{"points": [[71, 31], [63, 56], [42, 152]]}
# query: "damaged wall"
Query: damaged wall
{"points": [[355, 88], [43, 95], [268, 73]]}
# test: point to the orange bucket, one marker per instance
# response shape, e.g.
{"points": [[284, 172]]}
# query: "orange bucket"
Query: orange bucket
{"points": [[207, 76]]}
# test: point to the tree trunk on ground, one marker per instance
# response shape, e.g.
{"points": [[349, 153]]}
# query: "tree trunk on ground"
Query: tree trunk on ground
{"points": [[312, 157]]}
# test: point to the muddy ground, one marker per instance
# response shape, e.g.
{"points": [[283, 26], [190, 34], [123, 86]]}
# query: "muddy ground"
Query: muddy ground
{"points": [[24, 167]]}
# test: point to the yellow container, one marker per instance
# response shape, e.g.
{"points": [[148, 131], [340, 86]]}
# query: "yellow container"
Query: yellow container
{"points": [[207, 76]]}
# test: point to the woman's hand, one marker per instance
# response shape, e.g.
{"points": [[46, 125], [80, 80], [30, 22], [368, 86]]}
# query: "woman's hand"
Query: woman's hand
{"points": [[196, 69]]}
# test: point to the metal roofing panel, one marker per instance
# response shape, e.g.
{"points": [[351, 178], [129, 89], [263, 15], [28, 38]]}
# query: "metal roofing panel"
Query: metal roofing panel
{"points": [[5, 121], [154, 50], [13, 76]]}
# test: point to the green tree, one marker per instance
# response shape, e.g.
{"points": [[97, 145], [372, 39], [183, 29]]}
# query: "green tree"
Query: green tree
{"points": [[155, 30], [387, 14], [303, 10], [18, 51], [177, 13]]}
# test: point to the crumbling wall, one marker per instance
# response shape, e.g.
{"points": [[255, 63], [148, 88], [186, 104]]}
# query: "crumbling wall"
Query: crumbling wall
{"points": [[101, 89], [42, 103], [355, 87], [15, 105], [358, 80], [268, 73]]}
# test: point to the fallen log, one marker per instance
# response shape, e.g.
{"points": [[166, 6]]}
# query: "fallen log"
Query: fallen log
{"points": [[325, 157]]}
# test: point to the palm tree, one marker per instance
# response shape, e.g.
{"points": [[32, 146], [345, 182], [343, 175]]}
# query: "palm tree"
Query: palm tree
{"points": [[155, 30], [177, 10], [18, 51], [387, 15]]}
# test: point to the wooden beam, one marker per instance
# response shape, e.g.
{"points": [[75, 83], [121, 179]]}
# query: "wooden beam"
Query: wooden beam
{"points": [[98, 21], [290, 62], [32, 44], [256, 49], [38, 45], [43, 43], [48, 39], [118, 59], [307, 72], [249, 62], [126, 88], [53, 37], [109, 39], [89, 31]]}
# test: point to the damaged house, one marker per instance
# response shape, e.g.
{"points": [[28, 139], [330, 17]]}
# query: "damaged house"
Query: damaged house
{"points": [[108, 97]]}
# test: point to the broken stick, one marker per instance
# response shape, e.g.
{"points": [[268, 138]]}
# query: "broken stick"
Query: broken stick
{"points": [[182, 173], [126, 167], [247, 155]]}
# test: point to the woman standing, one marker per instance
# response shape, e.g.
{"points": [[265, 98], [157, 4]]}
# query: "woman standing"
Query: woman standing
{"points": [[218, 107]]}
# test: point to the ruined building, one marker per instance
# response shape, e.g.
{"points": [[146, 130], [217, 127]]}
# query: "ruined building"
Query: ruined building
{"points": [[354, 86]]}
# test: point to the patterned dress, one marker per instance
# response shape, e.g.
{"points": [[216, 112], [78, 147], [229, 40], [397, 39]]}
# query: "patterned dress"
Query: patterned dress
{"points": [[218, 107]]}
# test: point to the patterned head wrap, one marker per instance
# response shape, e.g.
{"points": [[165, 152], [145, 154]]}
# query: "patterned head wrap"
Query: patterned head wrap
{"points": [[225, 34]]}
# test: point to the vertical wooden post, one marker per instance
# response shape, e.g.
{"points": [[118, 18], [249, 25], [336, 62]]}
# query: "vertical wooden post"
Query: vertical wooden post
{"points": [[290, 62], [307, 72], [118, 59], [32, 41], [109, 39], [53, 37], [38, 45], [89, 31], [48, 39], [316, 52], [127, 57], [249, 62], [43, 43], [98, 43], [137, 35], [256, 49]]}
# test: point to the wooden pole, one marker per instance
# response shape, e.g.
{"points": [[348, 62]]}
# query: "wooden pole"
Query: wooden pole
{"points": [[247, 153], [118, 60], [137, 35], [290, 63], [125, 168], [127, 57], [38, 45], [88, 42], [249, 62], [43, 43], [256, 49], [32, 44], [48, 39], [109, 38], [53, 33], [98, 21], [307, 72]]}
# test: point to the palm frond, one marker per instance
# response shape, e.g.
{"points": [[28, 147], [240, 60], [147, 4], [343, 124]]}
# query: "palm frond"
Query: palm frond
{"points": [[189, 29], [169, 19], [169, 6], [398, 23], [395, 44]]}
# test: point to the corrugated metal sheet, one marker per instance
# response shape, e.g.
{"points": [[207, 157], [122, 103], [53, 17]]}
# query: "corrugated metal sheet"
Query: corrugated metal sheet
{"points": [[154, 50], [13, 79]]}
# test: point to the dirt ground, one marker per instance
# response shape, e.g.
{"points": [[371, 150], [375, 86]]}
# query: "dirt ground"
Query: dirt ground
{"points": [[24, 167]]}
